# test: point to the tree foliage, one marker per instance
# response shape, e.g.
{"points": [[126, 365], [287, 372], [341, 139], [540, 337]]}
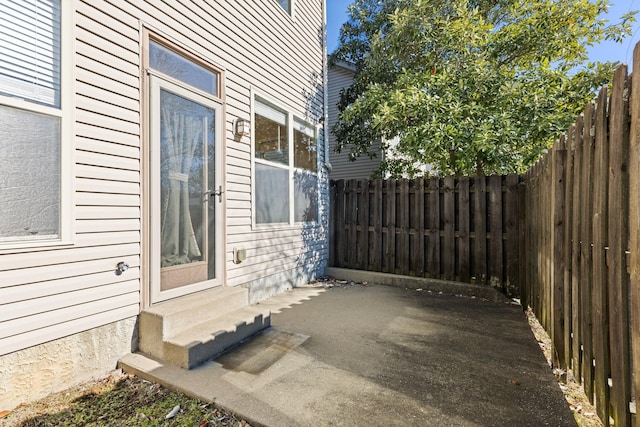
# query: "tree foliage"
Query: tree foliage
{"points": [[468, 86]]}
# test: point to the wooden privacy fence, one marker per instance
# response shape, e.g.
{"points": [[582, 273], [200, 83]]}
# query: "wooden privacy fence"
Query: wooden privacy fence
{"points": [[462, 229], [581, 235]]}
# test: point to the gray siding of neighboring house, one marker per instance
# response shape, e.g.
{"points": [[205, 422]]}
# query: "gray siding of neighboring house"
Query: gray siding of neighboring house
{"points": [[341, 76], [50, 293]]}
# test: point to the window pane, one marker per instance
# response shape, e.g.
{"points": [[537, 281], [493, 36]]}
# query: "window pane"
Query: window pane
{"points": [[272, 194], [29, 175], [271, 134], [180, 68], [305, 194], [30, 50], [286, 5], [305, 147]]}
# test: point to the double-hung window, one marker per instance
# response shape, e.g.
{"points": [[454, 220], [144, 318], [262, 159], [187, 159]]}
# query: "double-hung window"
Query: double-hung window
{"points": [[34, 152], [285, 166]]}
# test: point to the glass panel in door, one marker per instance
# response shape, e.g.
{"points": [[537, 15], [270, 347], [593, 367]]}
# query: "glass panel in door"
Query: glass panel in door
{"points": [[187, 202]]}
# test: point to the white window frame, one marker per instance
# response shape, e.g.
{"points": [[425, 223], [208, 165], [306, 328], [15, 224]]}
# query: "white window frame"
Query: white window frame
{"points": [[291, 119], [67, 136]]}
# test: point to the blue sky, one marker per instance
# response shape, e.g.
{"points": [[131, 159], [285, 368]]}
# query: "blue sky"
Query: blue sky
{"points": [[608, 51]]}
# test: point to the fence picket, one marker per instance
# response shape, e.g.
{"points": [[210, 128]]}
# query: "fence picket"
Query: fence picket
{"points": [[464, 248], [419, 218], [390, 247], [433, 250], [576, 319], [376, 237], [634, 221], [363, 225], [618, 239], [449, 223], [599, 271], [495, 229], [480, 229], [585, 259], [403, 252], [568, 247], [559, 173], [339, 241]]}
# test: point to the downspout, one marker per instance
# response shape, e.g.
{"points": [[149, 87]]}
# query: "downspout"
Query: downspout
{"points": [[325, 90]]}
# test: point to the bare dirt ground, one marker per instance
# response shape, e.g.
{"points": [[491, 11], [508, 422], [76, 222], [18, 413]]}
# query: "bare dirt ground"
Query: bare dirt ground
{"points": [[583, 411]]}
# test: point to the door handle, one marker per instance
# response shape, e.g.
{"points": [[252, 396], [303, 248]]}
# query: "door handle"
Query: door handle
{"points": [[212, 193]]}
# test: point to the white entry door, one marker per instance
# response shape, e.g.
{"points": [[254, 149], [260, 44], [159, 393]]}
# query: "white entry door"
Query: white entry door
{"points": [[186, 191]]}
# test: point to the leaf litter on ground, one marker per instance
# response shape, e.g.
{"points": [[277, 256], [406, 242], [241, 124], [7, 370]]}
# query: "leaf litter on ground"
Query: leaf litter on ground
{"points": [[583, 411], [120, 400]]}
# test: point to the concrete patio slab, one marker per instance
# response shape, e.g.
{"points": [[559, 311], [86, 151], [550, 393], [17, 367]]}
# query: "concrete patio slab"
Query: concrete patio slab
{"points": [[380, 356]]}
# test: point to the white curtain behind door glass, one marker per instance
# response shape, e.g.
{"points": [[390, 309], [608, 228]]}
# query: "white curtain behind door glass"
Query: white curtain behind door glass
{"points": [[181, 135]]}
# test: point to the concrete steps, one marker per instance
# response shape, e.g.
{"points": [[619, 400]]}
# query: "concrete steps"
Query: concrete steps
{"points": [[190, 330]]}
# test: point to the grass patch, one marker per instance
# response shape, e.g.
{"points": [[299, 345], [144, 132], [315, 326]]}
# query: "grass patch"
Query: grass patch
{"points": [[120, 400]]}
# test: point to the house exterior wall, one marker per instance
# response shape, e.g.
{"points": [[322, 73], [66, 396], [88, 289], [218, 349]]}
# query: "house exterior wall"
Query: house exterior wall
{"points": [[340, 77], [50, 294]]}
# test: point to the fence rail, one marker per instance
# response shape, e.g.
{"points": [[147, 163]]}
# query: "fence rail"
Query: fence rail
{"points": [[446, 228]]}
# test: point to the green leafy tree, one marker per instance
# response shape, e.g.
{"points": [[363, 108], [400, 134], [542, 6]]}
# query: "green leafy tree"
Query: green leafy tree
{"points": [[469, 87]]}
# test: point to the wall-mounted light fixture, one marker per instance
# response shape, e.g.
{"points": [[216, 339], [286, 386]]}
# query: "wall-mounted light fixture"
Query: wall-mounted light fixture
{"points": [[243, 127], [121, 267]]}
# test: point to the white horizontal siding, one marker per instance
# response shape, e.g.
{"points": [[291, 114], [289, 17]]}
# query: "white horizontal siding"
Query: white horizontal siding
{"points": [[80, 267], [89, 136], [21, 261], [106, 167], [35, 291], [53, 292], [57, 291], [342, 168]]}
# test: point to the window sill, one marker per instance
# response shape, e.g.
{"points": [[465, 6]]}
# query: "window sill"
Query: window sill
{"points": [[284, 227]]}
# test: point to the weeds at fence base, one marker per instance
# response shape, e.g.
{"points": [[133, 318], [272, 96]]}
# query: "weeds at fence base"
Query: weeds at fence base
{"points": [[583, 411]]}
